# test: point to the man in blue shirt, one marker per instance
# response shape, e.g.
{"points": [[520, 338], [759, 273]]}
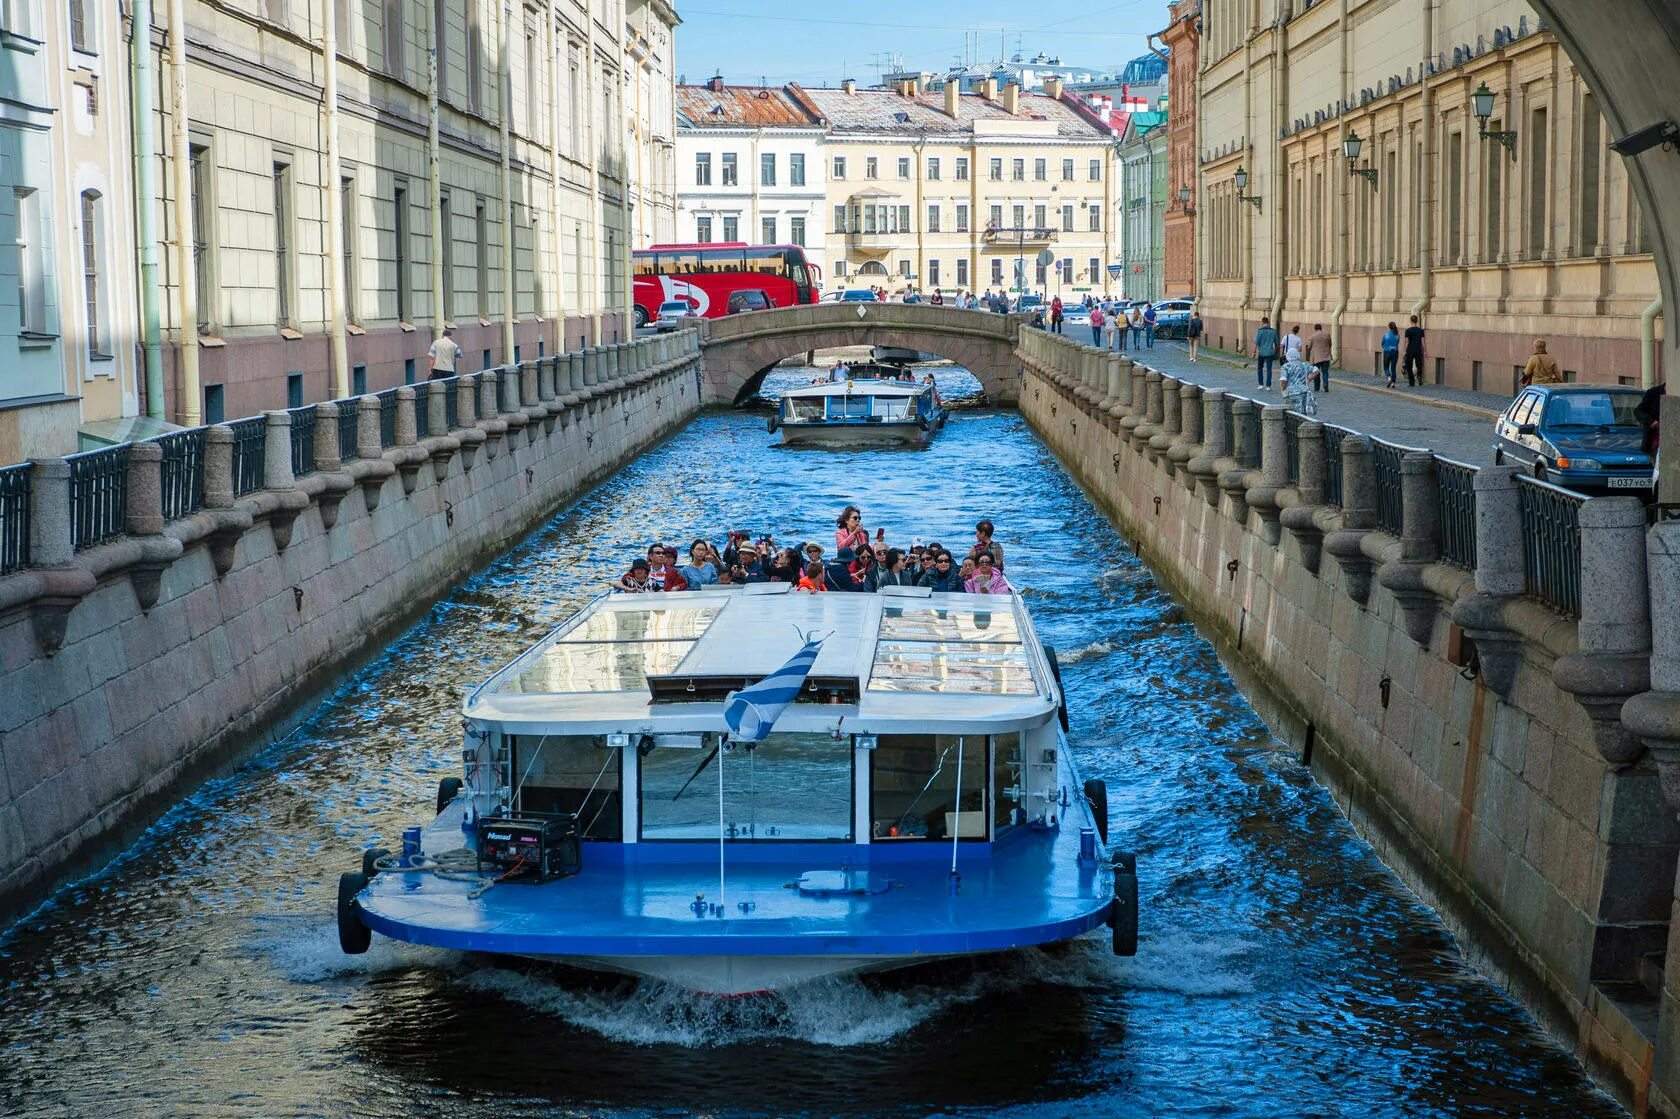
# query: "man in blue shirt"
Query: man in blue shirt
{"points": [[1265, 351], [1149, 327]]}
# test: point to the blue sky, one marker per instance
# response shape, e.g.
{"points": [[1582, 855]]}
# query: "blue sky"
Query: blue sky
{"points": [[818, 44]]}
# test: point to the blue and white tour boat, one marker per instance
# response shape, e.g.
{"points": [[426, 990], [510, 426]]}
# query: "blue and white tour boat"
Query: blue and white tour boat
{"points": [[868, 403], [739, 789]]}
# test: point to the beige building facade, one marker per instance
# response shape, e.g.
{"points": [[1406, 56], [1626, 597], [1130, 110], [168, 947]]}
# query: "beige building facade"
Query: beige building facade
{"points": [[1490, 243], [962, 191]]}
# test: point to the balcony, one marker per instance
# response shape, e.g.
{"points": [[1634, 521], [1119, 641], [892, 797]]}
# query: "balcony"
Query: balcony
{"points": [[878, 241], [1022, 235]]}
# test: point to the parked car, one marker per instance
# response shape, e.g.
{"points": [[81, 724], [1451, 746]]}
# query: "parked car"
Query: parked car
{"points": [[850, 295], [674, 314], [748, 299], [1582, 436], [1172, 317], [1028, 303], [1075, 314]]}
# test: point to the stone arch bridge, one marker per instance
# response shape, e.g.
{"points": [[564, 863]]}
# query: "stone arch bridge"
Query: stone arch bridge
{"points": [[740, 349]]}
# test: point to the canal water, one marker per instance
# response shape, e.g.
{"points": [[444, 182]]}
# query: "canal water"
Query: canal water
{"points": [[1283, 970]]}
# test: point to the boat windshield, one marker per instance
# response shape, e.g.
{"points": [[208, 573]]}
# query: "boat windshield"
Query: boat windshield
{"points": [[806, 407], [790, 786], [569, 774], [913, 790]]}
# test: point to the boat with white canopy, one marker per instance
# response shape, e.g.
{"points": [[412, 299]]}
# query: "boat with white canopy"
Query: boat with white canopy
{"points": [[867, 404]]}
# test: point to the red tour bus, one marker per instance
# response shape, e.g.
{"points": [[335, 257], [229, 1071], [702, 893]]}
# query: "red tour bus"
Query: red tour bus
{"points": [[706, 275]]}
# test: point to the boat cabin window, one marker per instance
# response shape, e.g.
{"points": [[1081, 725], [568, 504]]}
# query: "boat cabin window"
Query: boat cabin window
{"points": [[891, 408], [806, 407], [576, 775], [913, 790], [848, 406], [1008, 779], [788, 787]]}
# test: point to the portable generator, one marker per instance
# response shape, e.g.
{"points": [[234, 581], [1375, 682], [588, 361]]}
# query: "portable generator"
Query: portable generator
{"points": [[529, 849]]}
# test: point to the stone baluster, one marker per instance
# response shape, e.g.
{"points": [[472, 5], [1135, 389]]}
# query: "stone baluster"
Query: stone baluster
{"points": [[1359, 517], [514, 415], [472, 436], [1655, 715], [371, 467], [1301, 519], [1612, 660], [1111, 387], [329, 463], [490, 412], [1216, 444], [591, 359], [1163, 438], [1501, 575], [1189, 441], [231, 523], [1122, 406], [441, 444], [1420, 546], [569, 380], [52, 550], [1137, 412], [1244, 456], [548, 391], [409, 452], [143, 522], [1274, 472], [286, 501]]}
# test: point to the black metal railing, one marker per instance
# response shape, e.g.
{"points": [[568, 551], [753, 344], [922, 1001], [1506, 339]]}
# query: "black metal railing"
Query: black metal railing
{"points": [[452, 403], [182, 472], [250, 468], [1385, 468], [1333, 437], [1551, 537], [98, 495], [1292, 422], [422, 411], [387, 417], [14, 516], [349, 419], [303, 440], [1455, 511]]}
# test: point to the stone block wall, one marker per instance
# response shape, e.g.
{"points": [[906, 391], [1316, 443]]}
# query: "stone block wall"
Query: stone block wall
{"points": [[132, 669], [1472, 735]]}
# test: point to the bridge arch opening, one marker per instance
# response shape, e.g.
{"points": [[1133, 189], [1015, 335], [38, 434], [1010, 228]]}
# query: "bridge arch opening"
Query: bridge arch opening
{"points": [[750, 388]]}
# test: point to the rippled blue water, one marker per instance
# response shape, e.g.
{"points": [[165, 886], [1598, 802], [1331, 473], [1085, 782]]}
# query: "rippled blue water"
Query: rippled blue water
{"points": [[1283, 970]]}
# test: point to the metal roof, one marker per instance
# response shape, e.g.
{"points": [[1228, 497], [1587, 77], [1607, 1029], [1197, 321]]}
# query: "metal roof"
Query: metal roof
{"points": [[877, 111], [700, 106]]}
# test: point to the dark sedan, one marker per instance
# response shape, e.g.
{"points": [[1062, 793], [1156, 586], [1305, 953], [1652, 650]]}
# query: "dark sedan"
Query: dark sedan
{"points": [[1582, 436]]}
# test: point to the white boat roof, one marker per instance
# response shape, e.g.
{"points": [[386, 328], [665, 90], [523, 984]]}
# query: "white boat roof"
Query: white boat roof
{"points": [[916, 662], [864, 387]]}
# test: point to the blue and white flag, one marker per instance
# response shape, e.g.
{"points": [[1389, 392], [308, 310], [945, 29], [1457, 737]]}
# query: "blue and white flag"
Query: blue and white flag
{"points": [[753, 711]]}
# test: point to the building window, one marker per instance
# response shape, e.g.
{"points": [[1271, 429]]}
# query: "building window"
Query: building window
{"points": [[1067, 270], [475, 56], [215, 409], [1067, 170], [399, 226], [933, 273], [839, 269], [796, 230], [767, 169], [904, 167], [1588, 163], [31, 270], [575, 103], [203, 205], [1039, 171], [1018, 170], [904, 269], [933, 168], [1095, 265], [995, 220], [933, 218], [1095, 217], [839, 219], [997, 270], [1093, 171], [962, 168], [796, 169], [358, 380], [703, 230], [1539, 189], [903, 219], [731, 228], [702, 168], [283, 264], [767, 229], [962, 272], [1040, 274], [1493, 197], [90, 272], [294, 390], [1067, 218], [347, 244], [447, 255], [839, 167], [440, 27], [393, 29], [962, 217], [1041, 218], [871, 168], [997, 170], [81, 26], [731, 177], [481, 256], [1452, 215]]}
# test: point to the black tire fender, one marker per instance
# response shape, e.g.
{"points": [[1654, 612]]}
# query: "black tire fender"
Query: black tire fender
{"points": [[1061, 692], [772, 423], [1123, 910], [448, 789], [353, 936], [922, 421], [370, 860], [1096, 792]]}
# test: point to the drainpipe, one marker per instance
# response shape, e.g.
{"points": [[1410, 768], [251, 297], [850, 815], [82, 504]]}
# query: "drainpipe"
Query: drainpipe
{"points": [[186, 285], [1345, 236], [559, 227], [1280, 224], [597, 208], [1423, 208], [143, 113], [330, 201], [1149, 41], [1247, 242], [1648, 343], [434, 167], [504, 108]]}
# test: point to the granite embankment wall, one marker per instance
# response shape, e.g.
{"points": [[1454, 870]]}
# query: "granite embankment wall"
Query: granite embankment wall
{"points": [[139, 654], [1451, 650]]}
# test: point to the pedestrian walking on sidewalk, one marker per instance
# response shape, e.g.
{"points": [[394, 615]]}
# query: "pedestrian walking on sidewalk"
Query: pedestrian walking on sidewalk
{"points": [[1542, 367], [1193, 334], [1298, 377], [1318, 352], [1390, 354], [1097, 318], [1294, 346], [1149, 327], [1413, 363], [1115, 329], [1265, 352], [1056, 315], [1136, 319]]}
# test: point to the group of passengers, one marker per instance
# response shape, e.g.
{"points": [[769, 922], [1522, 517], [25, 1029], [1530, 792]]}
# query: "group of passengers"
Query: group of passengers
{"points": [[840, 371], [859, 563]]}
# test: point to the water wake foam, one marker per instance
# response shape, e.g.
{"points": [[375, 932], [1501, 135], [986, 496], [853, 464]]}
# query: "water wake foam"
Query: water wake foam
{"points": [[309, 953], [1095, 649]]}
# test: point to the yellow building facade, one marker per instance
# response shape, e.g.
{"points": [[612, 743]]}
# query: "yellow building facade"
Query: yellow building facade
{"points": [[1530, 231]]}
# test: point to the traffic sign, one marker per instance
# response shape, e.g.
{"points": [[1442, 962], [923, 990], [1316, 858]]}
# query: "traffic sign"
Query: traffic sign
{"points": [[1046, 257], [1115, 270]]}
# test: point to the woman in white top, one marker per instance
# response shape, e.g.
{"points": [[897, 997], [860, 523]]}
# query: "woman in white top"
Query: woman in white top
{"points": [[1292, 346]]}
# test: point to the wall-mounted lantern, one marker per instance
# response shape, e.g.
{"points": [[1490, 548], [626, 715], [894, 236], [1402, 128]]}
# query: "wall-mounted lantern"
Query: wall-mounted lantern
{"points": [[1350, 148], [1242, 185], [1482, 102]]}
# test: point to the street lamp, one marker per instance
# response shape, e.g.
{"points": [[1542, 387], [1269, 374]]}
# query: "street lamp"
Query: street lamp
{"points": [[1184, 199], [1242, 184], [1482, 102], [1350, 148]]}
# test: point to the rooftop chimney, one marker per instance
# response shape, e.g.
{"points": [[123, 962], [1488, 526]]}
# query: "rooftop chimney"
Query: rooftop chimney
{"points": [[952, 93], [1053, 87], [989, 88], [715, 84], [1012, 98], [848, 86]]}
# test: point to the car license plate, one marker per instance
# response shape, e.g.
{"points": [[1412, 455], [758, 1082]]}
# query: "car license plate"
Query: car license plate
{"points": [[1629, 483]]}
